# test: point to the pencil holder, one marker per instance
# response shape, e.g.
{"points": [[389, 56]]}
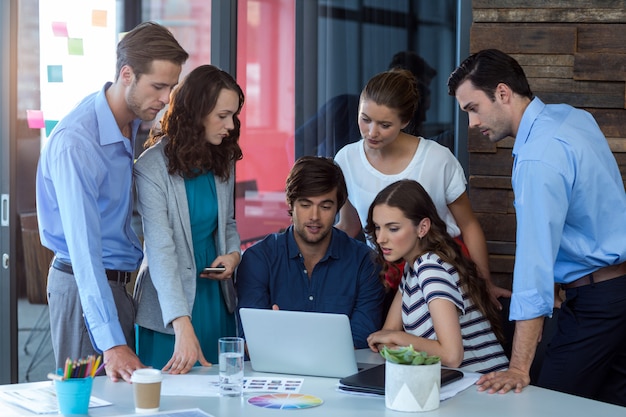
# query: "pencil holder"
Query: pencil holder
{"points": [[73, 395]]}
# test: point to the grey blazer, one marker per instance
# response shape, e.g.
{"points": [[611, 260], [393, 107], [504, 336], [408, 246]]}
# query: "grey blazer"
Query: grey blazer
{"points": [[166, 284]]}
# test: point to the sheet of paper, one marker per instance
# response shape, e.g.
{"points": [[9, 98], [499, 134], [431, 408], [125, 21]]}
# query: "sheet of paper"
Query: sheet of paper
{"points": [[208, 385], [195, 412], [41, 399]]}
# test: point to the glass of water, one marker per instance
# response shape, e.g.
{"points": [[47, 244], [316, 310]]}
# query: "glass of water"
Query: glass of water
{"points": [[231, 366]]}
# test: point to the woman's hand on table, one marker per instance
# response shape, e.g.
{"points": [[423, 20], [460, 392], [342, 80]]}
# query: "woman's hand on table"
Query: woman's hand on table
{"points": [[187, 350]]}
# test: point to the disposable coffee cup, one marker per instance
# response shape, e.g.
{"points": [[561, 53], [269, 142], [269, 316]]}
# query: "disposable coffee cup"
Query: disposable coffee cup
{"points": [[147, 389]]}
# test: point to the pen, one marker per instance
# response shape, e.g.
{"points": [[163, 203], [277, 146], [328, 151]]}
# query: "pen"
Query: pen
{"points": [[56, 377]]}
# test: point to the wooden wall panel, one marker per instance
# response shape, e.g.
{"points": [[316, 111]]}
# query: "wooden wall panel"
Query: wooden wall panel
{"points": [[549, 15], [601, 38], [498, 227], [553, 4], [600, 66], [519, 38]]}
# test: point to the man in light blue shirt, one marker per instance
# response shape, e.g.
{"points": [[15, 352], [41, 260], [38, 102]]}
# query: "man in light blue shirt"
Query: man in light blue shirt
{"points": [[84, 203], [571, 225]]}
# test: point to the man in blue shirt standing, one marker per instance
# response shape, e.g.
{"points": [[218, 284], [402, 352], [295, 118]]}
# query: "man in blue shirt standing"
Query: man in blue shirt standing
{"points": [[571, 223], [84, 203], [313, 266]]}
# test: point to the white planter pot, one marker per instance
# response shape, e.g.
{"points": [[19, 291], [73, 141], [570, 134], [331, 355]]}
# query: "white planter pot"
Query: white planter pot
{"points": [[412, 387]]}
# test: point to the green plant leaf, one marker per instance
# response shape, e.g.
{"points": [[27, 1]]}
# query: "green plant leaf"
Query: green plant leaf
{"points": [[408, 356]]}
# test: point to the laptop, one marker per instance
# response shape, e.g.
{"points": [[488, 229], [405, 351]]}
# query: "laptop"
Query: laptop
{"points": [[299, 342], [372, 380]]}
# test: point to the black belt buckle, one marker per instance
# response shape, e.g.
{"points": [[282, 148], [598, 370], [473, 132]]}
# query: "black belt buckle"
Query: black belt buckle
{"points": [[121, 277]]}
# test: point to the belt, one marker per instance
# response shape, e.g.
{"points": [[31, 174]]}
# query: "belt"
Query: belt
{"points": [[121, 277], [602, 274]]}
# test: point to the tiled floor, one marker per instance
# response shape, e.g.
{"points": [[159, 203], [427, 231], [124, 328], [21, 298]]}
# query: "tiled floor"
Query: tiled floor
{"points": [[33, 322]]}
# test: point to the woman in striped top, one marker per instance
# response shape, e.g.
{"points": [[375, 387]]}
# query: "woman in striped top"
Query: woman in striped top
{"points": [[442, 306]]}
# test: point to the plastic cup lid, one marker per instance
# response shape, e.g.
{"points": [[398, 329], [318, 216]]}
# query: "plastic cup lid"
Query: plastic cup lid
{"points": [[146, 376]]}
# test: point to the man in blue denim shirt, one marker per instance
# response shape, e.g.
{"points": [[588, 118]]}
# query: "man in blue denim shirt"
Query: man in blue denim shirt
{"points": [[571, 222], [312, 266]]}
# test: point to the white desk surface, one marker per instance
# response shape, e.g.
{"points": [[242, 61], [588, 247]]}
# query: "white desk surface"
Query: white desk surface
{"points": [[533, 401]]}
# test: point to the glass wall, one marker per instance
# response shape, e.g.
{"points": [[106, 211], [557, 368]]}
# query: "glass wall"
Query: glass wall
{"points": [[265, 70], [303, 64], [342, 44]]}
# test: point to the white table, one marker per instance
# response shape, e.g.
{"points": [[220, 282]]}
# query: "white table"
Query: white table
{"points": [[533, 401]]}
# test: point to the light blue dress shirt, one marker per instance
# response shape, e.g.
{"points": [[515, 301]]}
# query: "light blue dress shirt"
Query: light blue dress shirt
{"points": [[569, 202], [84, 207]]}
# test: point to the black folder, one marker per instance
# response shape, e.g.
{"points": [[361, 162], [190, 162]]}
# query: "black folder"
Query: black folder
{"points": [[372, 380]]}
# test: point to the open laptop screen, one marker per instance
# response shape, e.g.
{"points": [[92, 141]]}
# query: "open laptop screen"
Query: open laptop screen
{"points": [[298, 342]]}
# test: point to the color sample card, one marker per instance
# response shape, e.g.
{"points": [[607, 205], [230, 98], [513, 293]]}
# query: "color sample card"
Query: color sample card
{"points": [[263, 384], [285, 401]]}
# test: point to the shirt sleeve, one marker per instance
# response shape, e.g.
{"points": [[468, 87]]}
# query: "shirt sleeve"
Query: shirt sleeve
{"points": [[367, 316], [541, 205], [454, 178], [233, 240], [160, 247], [437, 282], [253, 281], [78, 172]]}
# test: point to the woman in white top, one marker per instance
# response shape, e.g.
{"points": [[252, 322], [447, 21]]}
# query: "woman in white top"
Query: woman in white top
{"points": [[442, 305], [387, 154]]}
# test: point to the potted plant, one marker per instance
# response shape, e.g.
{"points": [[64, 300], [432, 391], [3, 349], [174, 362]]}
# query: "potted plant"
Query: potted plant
{"points": [[412, 379]]}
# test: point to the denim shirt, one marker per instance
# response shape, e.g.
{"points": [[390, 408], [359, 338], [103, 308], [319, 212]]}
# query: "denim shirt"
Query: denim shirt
{"points": [[344, 281]]}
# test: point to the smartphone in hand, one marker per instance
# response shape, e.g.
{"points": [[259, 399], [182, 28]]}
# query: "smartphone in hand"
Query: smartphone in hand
{"points": [[217, 269]]}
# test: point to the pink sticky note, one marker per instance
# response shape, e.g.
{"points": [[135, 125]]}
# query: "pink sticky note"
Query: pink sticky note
{"points": [[59, 29], [35, 119]]}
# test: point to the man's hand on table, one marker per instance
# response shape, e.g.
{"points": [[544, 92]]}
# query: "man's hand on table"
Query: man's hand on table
{"points": [[503, 381], [120, 362]]}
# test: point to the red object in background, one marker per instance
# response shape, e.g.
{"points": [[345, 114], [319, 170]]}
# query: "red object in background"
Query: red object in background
{"points": [[394, 273], [266, 73], [396, 270]]}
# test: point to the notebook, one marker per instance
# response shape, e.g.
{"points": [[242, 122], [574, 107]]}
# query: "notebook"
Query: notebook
{"points": [[372, 380], [298, 342]]}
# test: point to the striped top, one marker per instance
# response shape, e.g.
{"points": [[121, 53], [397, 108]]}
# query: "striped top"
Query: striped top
{"points": [[431, 278]]}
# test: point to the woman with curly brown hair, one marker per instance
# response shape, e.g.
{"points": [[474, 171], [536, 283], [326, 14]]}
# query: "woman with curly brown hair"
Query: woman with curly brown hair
{"points": [[442, 305], [185, 196]]}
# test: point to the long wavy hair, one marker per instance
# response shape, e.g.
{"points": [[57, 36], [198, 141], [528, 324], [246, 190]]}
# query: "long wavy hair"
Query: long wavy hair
{"points": [[410, 197], [188, 152]]}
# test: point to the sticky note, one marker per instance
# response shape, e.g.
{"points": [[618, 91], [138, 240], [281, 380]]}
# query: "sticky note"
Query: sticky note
{"points": [[75, 46], [35, 119], [59, 29], [99, 18], [55, 73], [50, 124]]}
